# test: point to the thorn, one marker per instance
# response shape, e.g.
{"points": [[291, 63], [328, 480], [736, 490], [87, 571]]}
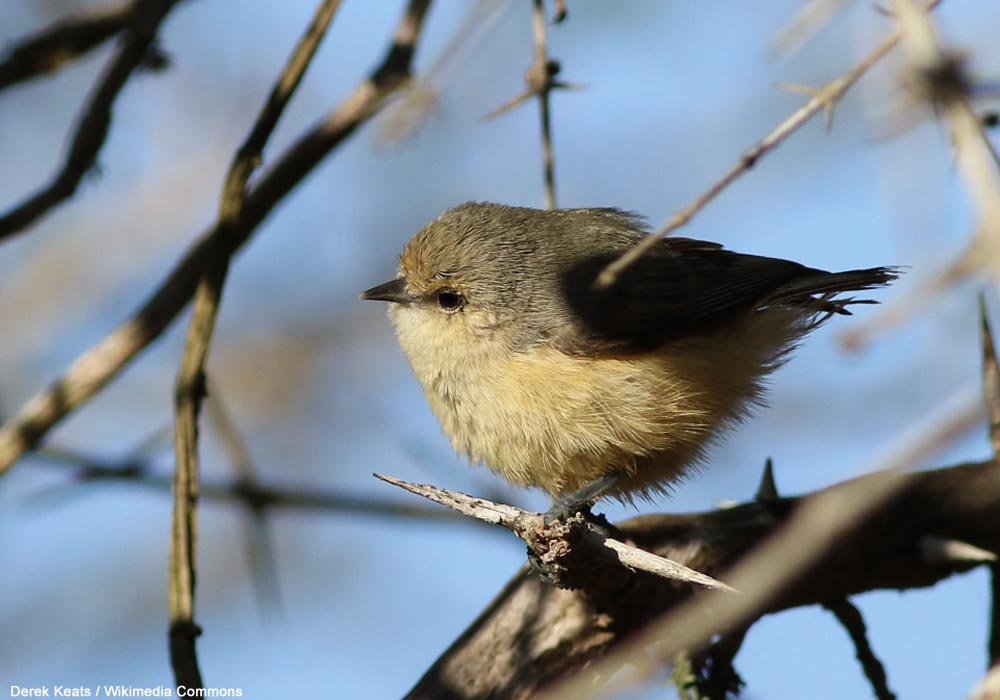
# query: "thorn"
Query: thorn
{"points": [[812, 93], [561, 12], [942, 550], [541, 80], [767, 491], [509, 105], [991, 377], [989, 687]]}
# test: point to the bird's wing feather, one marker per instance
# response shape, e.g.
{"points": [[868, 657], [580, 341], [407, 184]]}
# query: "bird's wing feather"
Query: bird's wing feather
{"points": [[685, 287]]}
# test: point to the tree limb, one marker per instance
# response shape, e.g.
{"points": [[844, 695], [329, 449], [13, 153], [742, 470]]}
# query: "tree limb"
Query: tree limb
{"points": [[64, 41], [102, 362], [533, 634], [95, 118]]}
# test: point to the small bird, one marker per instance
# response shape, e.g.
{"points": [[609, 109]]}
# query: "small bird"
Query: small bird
{"points": [[554, 383]]}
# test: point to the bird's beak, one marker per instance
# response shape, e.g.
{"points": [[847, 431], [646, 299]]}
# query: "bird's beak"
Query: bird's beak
{"points": [[394, 291]]}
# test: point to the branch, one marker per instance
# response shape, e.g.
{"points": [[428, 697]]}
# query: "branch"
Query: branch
{"points": [[64, 41], [714, 673], [563, 543], [822, 101], [256, 496], [539, 79], [190, 386], [101, 363], [850, 618], [95, 121], [939, 79], [533, 635]]}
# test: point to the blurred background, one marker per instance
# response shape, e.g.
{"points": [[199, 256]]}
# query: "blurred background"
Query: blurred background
{"points": [[361, 604]]}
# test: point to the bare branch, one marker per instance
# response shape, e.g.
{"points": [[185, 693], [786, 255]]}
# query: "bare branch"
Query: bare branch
{"points": [[101, 363], [825, 96], [938, 79], [993, 645], [850, 618], [991, 377], [260, 551], [539, 79], [417, 102], [533, 636], [190, 386], [571, 533], [64, 41], [807, 21], [134, 469], [95, 121]]}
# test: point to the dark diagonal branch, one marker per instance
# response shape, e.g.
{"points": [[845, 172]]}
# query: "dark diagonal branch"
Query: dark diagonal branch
{"points": [[95, 117], [101, 363], [190, 386], [990, 377], [991, 397], [850, 618], [993, 644], [532, 636], [64, 41]]}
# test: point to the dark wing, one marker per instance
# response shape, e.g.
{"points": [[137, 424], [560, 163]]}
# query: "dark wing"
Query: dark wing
{"points": [[685, 287]]}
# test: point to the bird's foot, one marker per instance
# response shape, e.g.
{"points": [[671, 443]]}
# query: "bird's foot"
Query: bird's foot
{"points": [[579, 501]]}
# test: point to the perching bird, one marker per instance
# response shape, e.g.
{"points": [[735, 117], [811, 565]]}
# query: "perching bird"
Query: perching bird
{"points": [[551, 382]]}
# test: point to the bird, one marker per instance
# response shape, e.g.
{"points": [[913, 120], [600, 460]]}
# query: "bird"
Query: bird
{"points": [[583, 391]]}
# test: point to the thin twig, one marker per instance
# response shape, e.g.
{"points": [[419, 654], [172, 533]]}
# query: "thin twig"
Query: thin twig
{"points": [[540, 75], [939, 79], [991, 377], [533, 526], [138, 470], [993, 644], [540, 79], [813, 15], [850, 618], [190, 386], [413, 108], [64, 41], [101, 363], [942, 81], [95, 121], [823, 100], [260, 552]]}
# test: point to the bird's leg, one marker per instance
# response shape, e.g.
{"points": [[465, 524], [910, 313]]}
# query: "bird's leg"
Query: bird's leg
{"points": [[580, 500], [569, 519]]}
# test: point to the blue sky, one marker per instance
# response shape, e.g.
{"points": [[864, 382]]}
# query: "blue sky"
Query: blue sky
{"points": [[674, 92]]}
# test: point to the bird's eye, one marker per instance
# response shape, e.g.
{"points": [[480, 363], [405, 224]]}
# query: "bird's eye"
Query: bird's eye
{"points": [[450, 300]]}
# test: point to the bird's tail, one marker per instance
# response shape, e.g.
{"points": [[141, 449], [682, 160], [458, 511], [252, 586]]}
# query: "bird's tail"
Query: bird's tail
{"points": [[819, 291]]}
